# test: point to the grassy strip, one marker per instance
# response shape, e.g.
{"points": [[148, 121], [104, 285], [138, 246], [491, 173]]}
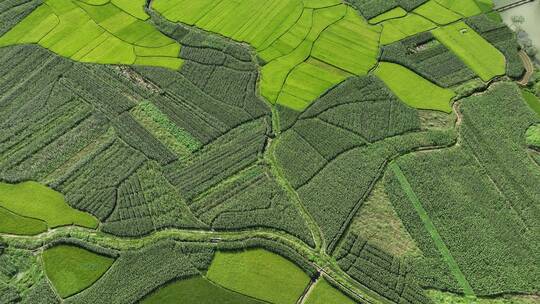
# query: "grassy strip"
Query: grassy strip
{"points": [[413, 89], [177, 139], [482, 57], [430, 227]]}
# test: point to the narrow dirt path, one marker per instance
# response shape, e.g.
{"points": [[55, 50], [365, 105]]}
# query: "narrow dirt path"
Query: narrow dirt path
{"points": [[307, 291], [529, 68]]}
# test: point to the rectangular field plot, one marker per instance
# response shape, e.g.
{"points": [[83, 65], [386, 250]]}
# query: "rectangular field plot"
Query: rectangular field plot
{"points": [[414, 90], [483, 58], [259, 274]]}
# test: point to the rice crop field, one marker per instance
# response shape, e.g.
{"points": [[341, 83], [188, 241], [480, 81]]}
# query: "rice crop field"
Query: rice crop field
{"points": [[72, 269], [96, 31], [479, 55], [308, 48], [196, 290], [414, 90], [39, 207], [258, 273]]}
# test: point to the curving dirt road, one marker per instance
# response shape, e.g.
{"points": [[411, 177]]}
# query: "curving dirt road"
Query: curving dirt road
{"points": [[529, 68]]}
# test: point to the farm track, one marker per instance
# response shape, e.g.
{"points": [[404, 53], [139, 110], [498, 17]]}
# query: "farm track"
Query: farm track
{"points": [[529, 68]]}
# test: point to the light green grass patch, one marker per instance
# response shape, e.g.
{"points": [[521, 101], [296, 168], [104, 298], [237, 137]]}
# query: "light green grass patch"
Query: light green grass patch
{"points": [[308, 81], [413, 89], [485, 6], [259, 274], [31, 199], [532, 100], [196, 290], [533, 136], [324, 293], [12, 223], [466, 8], [72, 269], [133, 7], [396, 12], [320, 3], [478, 54], [308, 46], [400, 28], [437, 13], [349, 44]]}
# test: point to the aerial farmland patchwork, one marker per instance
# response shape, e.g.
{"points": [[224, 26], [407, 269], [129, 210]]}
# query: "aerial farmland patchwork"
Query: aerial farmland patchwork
{"points": [[278, 151]]}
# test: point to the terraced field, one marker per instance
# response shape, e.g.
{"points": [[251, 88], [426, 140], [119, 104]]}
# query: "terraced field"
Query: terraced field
{"points": [[279, 152]]}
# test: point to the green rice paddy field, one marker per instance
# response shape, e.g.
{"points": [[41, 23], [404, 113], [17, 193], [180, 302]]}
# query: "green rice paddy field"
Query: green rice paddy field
{"points": [[71, 269], [31, 208]]}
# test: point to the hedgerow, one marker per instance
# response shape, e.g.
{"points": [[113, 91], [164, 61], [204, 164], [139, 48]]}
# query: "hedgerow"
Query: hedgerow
{"points": [[379, 271], [503, 38], [423, 54]]}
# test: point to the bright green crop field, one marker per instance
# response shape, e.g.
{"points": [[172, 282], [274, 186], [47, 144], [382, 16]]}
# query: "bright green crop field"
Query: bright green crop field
{"points": [[38, 205], [96, 31], [324, 293], [475, 51], [414, 90], [72, 269], [259, 274]]}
